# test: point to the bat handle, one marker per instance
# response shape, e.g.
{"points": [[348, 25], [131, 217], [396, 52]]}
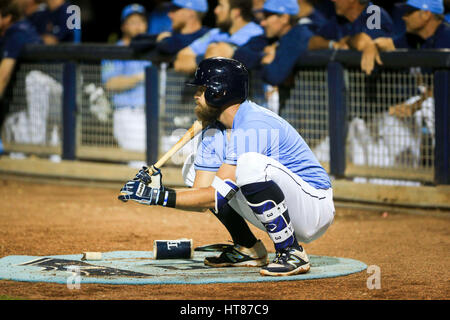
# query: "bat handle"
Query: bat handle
{"points": [[196, 128], [153, 169]]}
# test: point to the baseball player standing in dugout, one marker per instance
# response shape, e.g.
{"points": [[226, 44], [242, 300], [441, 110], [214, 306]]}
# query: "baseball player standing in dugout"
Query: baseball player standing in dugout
{"points": [[251, 165]]}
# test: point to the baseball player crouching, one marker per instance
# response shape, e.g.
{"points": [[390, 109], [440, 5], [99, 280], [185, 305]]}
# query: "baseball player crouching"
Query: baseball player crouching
{"points": [[251, 165]]}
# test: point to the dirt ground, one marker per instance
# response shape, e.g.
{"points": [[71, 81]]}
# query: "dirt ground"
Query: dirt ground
{"points": [[412, 251]]}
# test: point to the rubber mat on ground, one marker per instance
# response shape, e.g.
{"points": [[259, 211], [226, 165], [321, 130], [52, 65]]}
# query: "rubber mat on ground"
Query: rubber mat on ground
{"points": [[139, 267]]}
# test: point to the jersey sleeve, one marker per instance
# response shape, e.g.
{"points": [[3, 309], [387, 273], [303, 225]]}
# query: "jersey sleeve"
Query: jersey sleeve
{"points": [[251, 53], [200, 45], [287, 54], [178, 41], [172, 44], [329, 30], [210, 152], [443, 39], [14, 45], [243, 35], [110, 69], [401, 42]]}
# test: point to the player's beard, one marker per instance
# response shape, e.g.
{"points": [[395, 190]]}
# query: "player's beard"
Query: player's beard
{"points": [[224, 26], [179, 26], [207, 114]]}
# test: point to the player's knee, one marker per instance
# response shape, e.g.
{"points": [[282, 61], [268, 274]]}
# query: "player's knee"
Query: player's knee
{"points": [[248, 158], [250, 168]]}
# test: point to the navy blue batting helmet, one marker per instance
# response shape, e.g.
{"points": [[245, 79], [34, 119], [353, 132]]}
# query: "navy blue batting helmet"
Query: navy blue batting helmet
{"points": [[226, 81]]}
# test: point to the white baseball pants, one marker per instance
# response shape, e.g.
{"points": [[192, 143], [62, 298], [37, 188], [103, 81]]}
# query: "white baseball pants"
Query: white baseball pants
{"points": [[311, 210]]}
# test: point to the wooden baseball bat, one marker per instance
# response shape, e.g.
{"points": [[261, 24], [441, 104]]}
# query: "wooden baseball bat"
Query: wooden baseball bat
{"points": [[195, 129]]}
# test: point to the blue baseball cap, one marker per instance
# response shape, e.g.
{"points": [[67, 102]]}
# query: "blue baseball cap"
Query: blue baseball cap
{"points": [[132, 9], [196, 5], [282, 7], [434, 6]]}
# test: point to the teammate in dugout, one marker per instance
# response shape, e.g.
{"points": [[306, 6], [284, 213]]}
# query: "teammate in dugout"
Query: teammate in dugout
{"points": [[15, 33], [424, 19], [234, 28], [256, 167], [351, 28], [58, 29], [125, 80], [283, 42], [187, 26]]}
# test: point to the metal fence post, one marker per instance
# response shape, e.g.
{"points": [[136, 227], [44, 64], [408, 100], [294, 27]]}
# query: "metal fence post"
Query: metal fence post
{"points": [[442, 126], [69, 106], [152, 113], [337, 120]]}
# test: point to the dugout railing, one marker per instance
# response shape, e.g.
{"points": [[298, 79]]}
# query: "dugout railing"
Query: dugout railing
{"points": [[357, 125]]}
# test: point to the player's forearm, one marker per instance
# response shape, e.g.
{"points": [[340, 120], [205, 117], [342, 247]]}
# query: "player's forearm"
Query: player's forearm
{"points": [[318, 43], [195, 198], [2, 89], [385, 44], [220, 49], [185, 62], [6, 69], [122, 83], [361, 42], [49, 39], [3, 85]]}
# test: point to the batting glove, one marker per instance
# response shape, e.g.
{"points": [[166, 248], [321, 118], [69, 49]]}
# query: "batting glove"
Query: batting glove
{"points": [[154, 181], [144, 176], [138, 191]]}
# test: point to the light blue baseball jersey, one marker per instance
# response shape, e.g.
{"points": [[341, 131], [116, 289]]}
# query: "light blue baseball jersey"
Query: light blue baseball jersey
{"points": [[256, 129], [134, 97], [238, 38]]}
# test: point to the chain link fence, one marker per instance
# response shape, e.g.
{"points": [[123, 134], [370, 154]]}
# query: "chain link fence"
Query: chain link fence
{"points": [[176, 112], [306, 109], [34, 119], [111, 111], [391, 123]]}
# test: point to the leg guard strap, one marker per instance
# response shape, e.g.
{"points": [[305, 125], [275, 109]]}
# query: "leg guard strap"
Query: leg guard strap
{"points": [[283, 235], [271, 214]]}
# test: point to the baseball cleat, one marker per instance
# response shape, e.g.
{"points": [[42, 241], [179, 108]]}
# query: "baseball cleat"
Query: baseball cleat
{"points": [[239, 256], [288, 262]]}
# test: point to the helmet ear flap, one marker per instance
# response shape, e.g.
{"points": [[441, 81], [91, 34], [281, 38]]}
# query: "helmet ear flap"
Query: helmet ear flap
{"points": [[214, 93]]}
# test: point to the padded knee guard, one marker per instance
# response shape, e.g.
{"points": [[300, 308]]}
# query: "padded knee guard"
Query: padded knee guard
{"points": [[267, 202], [225, 191]]}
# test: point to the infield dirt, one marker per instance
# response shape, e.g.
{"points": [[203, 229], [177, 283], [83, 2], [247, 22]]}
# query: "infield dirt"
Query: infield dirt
{"points": [[412, 251]]}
